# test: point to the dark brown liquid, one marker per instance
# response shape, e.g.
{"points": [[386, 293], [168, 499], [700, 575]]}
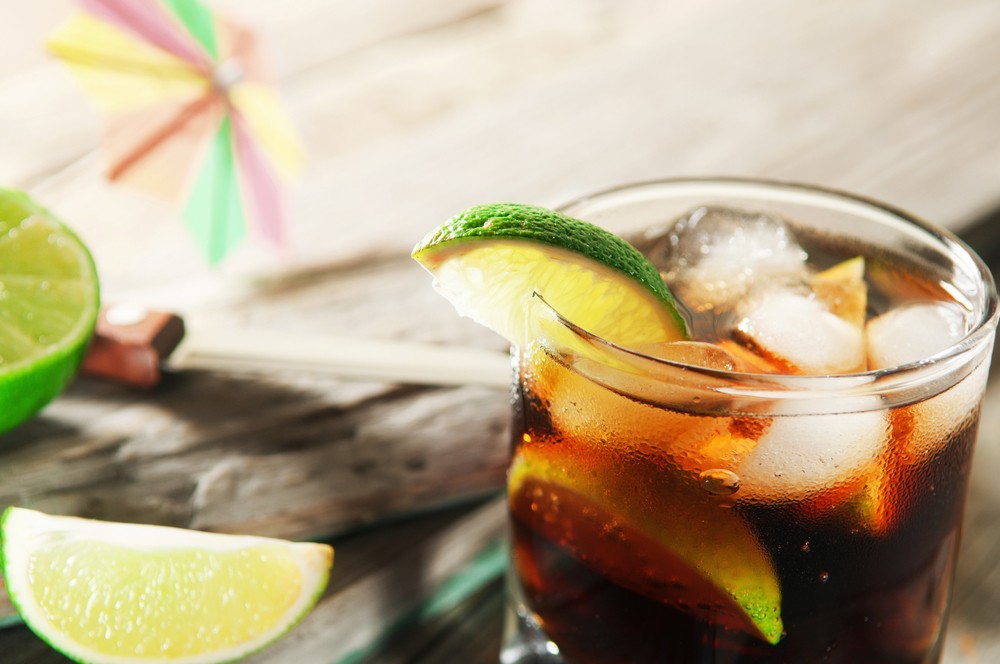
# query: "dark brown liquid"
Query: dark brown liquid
{"points": [[636, 540], [848, 593]]}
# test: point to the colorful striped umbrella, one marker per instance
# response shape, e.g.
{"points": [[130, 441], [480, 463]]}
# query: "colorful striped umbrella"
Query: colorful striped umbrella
{"points": [[191, 116]]}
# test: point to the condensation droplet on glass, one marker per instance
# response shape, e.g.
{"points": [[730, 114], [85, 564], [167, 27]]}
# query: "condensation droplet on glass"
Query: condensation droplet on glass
{"points": [[805, 547], [719, 482], [824, 577]]}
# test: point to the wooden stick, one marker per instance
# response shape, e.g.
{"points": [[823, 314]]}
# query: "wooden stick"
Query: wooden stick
{"points": [[132, 342], [367, 359]]}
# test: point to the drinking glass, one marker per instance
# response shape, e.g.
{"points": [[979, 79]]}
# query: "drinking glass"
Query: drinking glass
{"points": [[670, 512]]}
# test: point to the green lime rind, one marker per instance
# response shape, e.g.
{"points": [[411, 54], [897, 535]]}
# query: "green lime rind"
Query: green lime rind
{"points": [[8, 543], [49, 305], [529, 223], [30, 388]]}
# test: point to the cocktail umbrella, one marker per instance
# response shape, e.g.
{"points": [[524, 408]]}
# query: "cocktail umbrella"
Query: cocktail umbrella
{"points": [[191, 116]]}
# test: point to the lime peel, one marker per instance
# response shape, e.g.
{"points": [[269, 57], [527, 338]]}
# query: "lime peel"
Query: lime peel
{"points": [[716, 554], [490, 259], [110, 593]]}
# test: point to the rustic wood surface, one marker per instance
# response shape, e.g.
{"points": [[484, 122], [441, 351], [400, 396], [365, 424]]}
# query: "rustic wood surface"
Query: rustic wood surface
{"points": [[412, 111]]}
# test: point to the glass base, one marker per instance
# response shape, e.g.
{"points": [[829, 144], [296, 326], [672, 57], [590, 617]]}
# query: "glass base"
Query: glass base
{"points": [[524, 642]]}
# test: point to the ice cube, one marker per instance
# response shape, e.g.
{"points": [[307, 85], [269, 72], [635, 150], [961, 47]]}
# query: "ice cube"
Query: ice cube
{"points": [[803, 455], [913, 332], [718, 254], [796, 328], [917, 331]]}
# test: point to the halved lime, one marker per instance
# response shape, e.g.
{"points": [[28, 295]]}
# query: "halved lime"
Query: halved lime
{"points": [[117, 593], [489, 260], [49, 300]]}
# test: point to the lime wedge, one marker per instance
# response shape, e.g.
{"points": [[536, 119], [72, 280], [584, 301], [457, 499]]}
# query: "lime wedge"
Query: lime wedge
{"points": [[489, 261], [843, 289], [671, 541], [48, 306], [104, 592]]}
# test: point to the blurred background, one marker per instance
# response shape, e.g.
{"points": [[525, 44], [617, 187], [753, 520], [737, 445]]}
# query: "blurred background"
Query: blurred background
{"points": [[411, 111]]}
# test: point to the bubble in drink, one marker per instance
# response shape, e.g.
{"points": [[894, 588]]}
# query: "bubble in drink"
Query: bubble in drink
{"points": [[719, 481], [716, 255]]}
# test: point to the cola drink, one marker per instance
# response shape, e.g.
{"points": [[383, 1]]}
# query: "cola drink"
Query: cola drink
{"points": [[786, 487]]}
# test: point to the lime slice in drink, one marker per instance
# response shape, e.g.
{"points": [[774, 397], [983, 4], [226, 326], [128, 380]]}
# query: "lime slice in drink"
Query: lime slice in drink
{"points": [[643, 528], [489, 261], [121, 593], [48, 306], [843, 290]]}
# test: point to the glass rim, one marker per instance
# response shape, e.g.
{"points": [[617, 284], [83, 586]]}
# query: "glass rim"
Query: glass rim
{"points": [[784, 386]]}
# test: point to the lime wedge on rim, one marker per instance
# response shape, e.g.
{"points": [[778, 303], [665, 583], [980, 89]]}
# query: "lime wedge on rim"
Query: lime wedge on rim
{"points": [[489, 260], [116, 593], [49, 299]]}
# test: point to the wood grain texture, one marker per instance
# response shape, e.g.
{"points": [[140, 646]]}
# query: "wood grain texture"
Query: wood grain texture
{"points": [[412, 111]]}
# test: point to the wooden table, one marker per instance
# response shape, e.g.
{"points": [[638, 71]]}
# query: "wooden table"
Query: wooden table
{"points": [[412, 111]]}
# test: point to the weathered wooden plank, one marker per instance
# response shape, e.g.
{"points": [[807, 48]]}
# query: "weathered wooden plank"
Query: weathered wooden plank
{"points": [[307, 467], [470, 633]]}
